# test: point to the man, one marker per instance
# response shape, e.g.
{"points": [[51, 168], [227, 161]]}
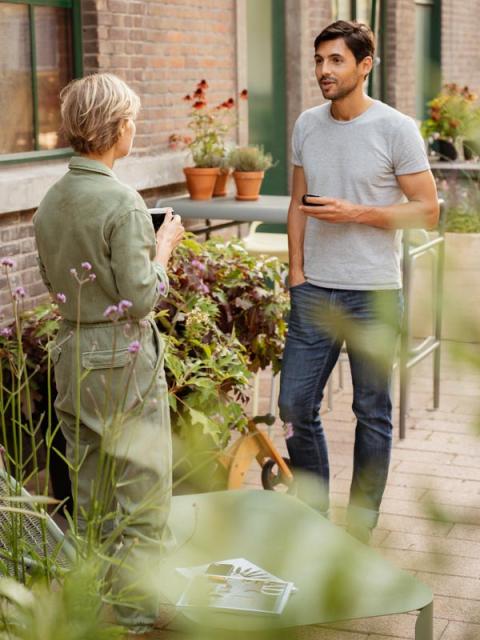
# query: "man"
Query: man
{"points": [[366, 162]]}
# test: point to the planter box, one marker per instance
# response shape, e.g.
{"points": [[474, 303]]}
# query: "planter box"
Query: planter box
{"points": [[461, 304]]}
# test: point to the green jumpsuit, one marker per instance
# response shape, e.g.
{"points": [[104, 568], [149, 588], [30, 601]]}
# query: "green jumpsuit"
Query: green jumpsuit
{"points": [[96, 246]]}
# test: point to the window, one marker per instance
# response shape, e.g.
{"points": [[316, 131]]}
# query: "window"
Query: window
{"points": [[40, 52]]}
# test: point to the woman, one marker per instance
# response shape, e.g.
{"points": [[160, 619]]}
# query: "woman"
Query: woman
{"points": [[100, 259]]}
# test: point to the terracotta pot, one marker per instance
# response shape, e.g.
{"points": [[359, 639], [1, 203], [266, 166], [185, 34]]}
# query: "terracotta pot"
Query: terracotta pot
{"points": [[201, 181], [221, 183], [248, 184]]}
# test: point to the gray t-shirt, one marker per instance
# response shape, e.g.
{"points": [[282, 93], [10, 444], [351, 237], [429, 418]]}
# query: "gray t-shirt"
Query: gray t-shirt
{"points": [[356, 160]]}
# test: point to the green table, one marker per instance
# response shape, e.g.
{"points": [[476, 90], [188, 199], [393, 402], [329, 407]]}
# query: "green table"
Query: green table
{"points": [[337, 577]]}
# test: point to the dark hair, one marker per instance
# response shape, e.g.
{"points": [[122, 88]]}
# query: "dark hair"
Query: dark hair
{"points": [[358, 37]]}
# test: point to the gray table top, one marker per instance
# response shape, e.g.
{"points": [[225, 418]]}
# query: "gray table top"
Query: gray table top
{"points": [[455, 166], [337, 577], [266, 209]]}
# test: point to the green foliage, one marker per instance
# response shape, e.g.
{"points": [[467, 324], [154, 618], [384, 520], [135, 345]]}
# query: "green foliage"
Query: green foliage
{"points": [[224, 318], [461, 221], [71, 611], [250, 159], [462, 202], [453, 113]]}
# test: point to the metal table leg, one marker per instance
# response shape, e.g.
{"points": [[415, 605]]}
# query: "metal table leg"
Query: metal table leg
{"points": [[424, 624]]}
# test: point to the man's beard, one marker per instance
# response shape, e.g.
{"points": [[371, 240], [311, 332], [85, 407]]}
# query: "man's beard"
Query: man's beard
{"points": [[341, 93]]}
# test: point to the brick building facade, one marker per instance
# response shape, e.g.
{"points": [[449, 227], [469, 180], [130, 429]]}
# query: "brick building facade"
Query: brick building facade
{"points": [[163, 47]]}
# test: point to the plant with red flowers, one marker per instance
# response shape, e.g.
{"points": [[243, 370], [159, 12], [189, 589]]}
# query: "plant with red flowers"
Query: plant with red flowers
{"points": [[453, 113], [209, 126]]}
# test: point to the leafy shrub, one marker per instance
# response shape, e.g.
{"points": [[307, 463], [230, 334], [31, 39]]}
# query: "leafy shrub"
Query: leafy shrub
{"points": [[223, 320], [462, 203], [452, 113]]}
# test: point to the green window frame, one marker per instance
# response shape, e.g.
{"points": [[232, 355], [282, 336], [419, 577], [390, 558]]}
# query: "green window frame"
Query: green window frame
{"points": [[427, 54], [77, 58]]}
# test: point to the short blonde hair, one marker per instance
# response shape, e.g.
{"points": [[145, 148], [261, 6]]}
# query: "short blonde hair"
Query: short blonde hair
{"points": [[93, 108]]}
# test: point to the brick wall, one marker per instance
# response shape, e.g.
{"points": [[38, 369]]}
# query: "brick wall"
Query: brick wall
{"points": [[319, 17], [460, 48], [90, 36], [162, 48], [17, 242], [304, 21], [399, 55]]}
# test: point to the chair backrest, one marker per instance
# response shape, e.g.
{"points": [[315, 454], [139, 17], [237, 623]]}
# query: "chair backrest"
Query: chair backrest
{"points": [[35, 540]]}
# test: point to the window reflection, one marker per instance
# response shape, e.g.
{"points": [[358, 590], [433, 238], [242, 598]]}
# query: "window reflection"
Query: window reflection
{"points": [[54, 71], [16, 104]]}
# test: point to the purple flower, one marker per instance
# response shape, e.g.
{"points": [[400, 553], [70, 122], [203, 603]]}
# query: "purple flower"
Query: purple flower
{"points": [[19, 292], [123, 305], [134, 347], [87, 266], [288, 430], [111, 310], [161, 288], [7, 262], [92, 277], [204, 288], [61, 297], [6, 332], [199, 265]]}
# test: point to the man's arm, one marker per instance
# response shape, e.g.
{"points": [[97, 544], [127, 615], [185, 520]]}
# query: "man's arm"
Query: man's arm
{"points": [[296, 228], [420, 212]]}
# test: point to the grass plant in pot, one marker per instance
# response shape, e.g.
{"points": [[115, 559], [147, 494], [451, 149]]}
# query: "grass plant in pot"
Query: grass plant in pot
{"points": [[209, 126], [249, 165]]}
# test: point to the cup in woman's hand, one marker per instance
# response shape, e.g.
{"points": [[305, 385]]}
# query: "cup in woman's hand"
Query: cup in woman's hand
{"points": [[158, 216], [172, 230]]}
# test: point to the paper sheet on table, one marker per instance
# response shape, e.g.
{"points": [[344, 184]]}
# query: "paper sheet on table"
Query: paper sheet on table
{"points": [[241, 567]]}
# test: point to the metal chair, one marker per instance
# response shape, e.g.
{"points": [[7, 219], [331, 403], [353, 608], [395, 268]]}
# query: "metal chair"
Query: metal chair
{"points": [[411, 355], [20, 523]]}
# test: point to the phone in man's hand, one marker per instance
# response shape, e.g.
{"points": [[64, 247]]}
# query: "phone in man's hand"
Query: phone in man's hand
{"points": [[158, 216], [310, 204]]}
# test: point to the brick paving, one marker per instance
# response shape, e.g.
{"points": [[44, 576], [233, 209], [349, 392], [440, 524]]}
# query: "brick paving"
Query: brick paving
{"points": [[430, 521]]}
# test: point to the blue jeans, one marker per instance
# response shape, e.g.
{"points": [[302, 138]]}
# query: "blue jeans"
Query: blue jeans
{"points": [[321, 320]]}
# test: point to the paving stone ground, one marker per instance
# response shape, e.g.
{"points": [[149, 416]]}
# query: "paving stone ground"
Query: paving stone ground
{"points": [[430, 520]]}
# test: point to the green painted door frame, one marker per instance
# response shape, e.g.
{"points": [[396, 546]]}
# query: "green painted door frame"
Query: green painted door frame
{"points": [[267, 89], [427, 53]]}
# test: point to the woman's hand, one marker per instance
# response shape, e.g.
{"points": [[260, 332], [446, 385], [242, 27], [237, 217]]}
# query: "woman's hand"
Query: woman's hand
{"points": [[168, 237]]}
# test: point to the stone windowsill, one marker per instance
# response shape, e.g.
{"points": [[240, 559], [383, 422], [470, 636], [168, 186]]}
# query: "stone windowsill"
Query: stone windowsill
{"points": [[23, 186]]}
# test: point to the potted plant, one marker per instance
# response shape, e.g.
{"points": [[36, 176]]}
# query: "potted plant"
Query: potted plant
{"points": [[454, 120], [209, 126], [249, 165]]}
